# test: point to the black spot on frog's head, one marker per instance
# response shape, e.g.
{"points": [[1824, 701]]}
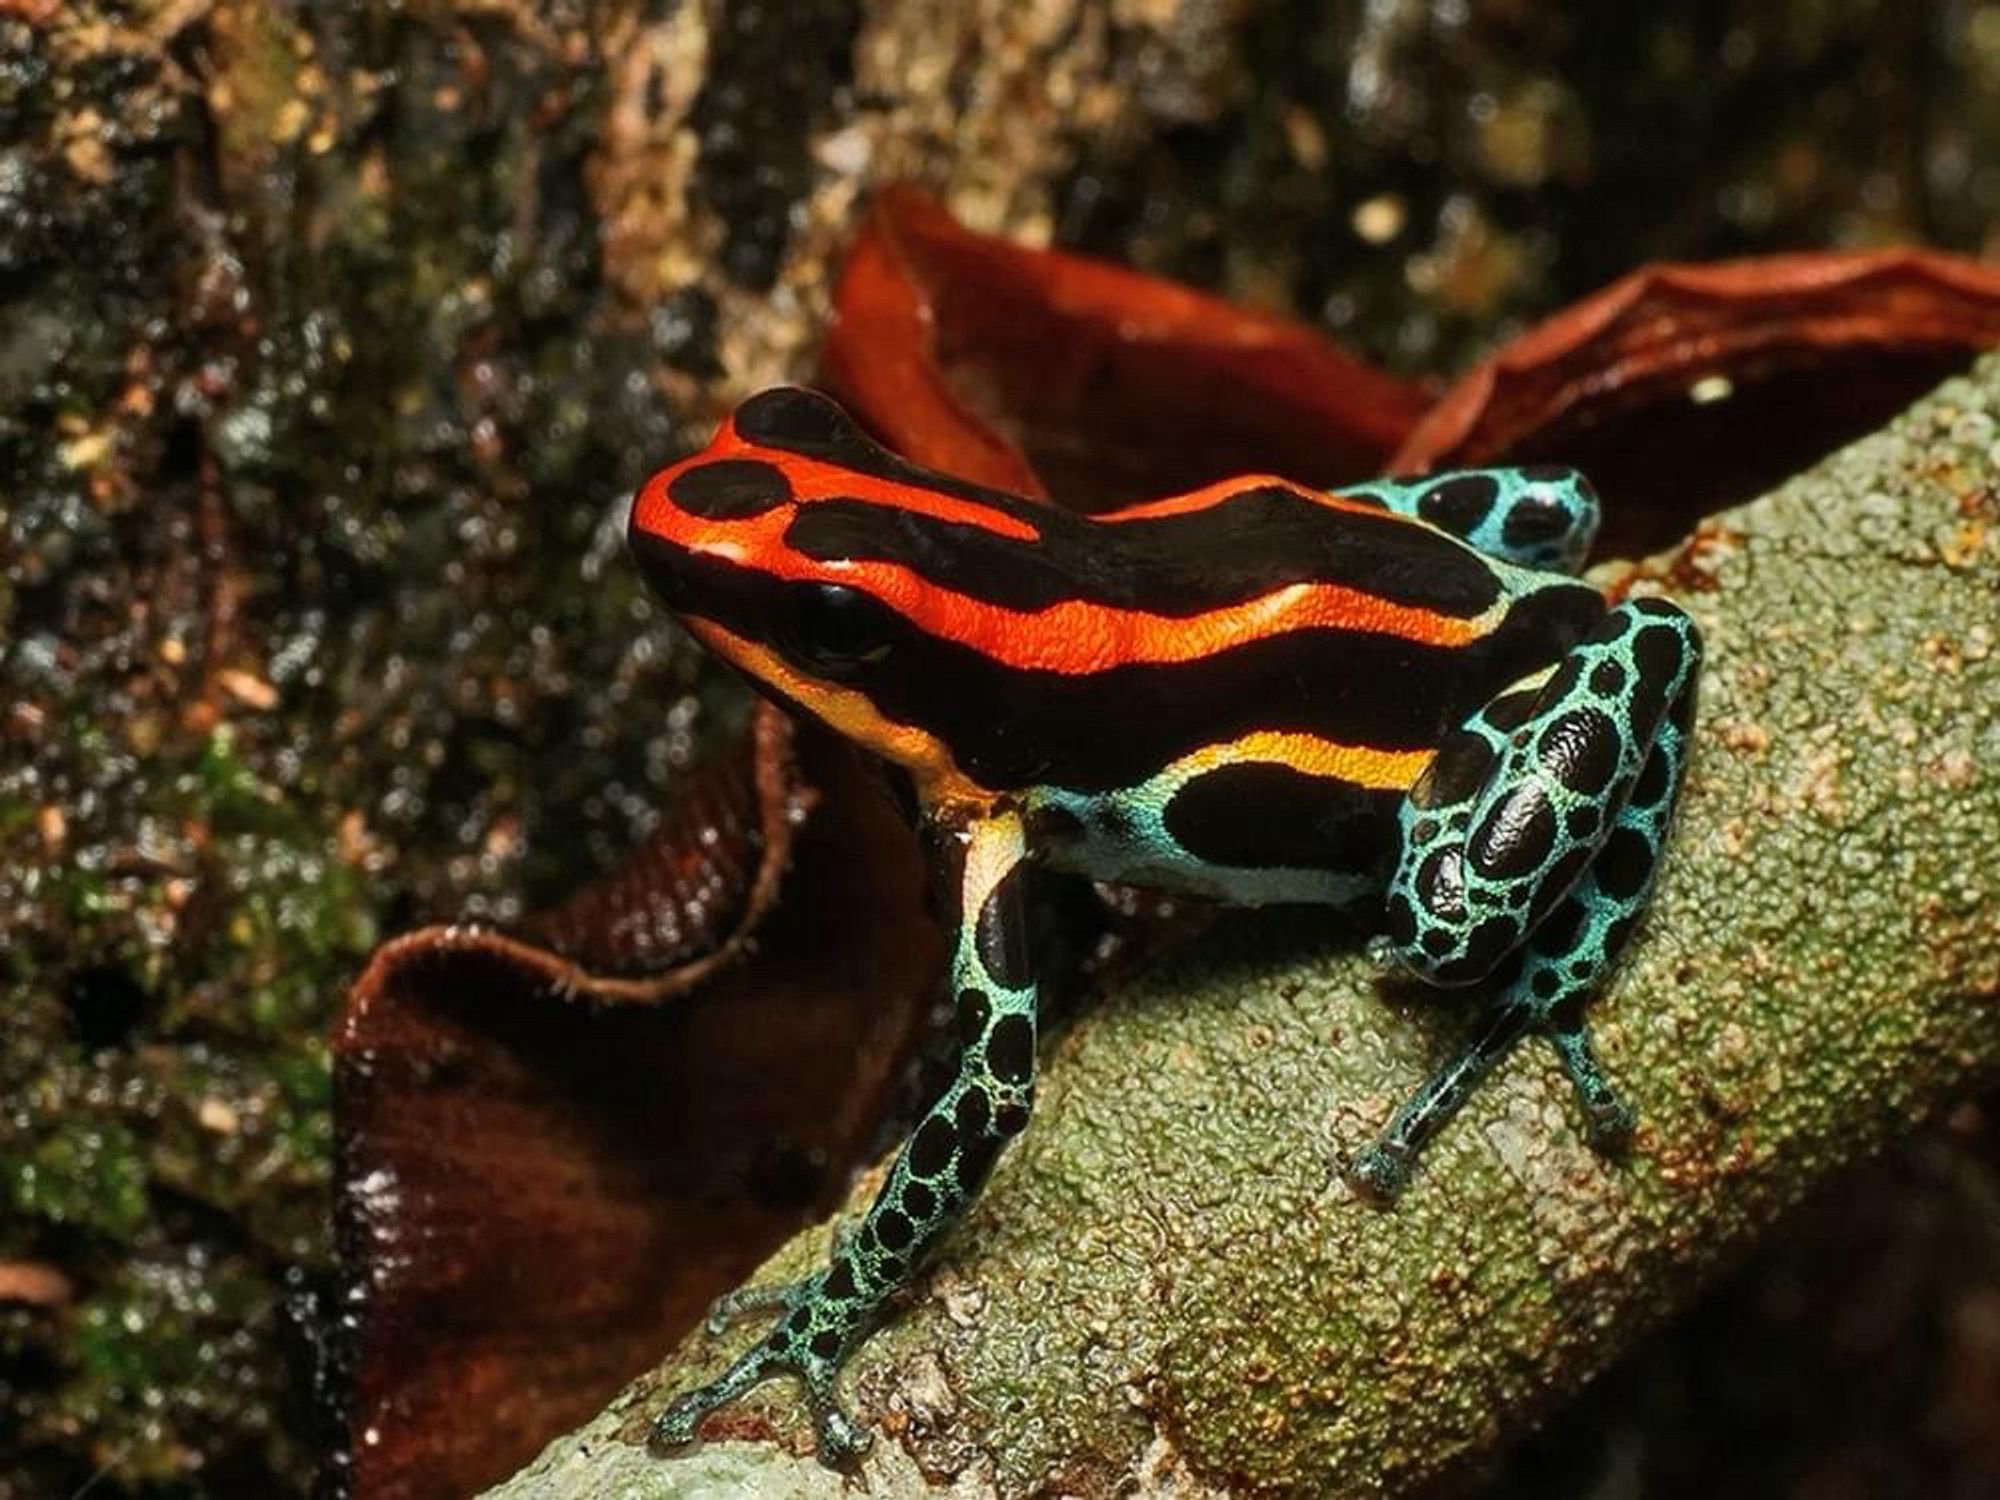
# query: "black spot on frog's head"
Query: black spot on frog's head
{"points": [[803, 422], [729, 489]]}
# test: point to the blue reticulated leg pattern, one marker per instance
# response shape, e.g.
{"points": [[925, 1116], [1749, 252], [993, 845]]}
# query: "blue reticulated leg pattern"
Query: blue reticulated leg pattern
{"points": [[1544, 516], [937, 1173], [1528, 850]]}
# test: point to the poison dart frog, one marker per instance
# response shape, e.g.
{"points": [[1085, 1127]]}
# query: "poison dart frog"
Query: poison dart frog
{"points": [[1393, 696]]}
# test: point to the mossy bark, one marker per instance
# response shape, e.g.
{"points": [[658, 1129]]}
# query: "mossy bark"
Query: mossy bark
{"points": [[1167, 1280]]}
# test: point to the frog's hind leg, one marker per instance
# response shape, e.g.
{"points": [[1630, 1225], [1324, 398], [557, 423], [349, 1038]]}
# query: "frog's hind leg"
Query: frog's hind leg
{"points": [[1543, 516], [1529, 847], [940, 1169]]}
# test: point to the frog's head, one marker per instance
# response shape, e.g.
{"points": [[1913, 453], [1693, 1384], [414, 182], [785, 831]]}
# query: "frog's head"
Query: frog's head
{"points": [[809, 556]]}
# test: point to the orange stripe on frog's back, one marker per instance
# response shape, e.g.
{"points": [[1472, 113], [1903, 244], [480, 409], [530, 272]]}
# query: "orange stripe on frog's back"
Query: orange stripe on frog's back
{"points": [[1077, 636], [816, 479], [1225, 490]]}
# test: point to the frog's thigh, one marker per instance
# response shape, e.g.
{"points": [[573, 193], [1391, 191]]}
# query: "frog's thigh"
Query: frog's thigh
{"points": [[1521, 801], [1544, 516], [1546, 983]]}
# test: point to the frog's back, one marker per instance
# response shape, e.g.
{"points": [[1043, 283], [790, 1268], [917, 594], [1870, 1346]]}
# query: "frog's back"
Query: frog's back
{"points": [[1022, 647], [1287, 665], [1095, 651]]}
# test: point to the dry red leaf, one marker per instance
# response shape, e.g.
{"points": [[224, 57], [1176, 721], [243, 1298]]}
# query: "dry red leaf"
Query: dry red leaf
{"points": [[1681, 389], [34, 1283], [1049, 373], [684, 904], [537, 1196], [34, 12]]}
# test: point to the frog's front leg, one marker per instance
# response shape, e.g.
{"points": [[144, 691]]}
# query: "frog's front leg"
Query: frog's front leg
{"points": [[1528, 851], [937, 1173]]}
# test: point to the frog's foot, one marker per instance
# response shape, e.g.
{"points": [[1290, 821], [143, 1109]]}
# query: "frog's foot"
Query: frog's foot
{"points": [[747, 1301], [807, 1344], [1383, 957], [1381, 1171], [1543, 516]]}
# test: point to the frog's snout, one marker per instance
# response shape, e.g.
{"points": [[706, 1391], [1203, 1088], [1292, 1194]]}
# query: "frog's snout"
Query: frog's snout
{"points": [[662, 565]]}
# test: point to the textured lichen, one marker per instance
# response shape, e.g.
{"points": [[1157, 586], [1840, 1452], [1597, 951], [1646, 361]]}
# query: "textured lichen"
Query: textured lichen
{"points": [[285, 655], [1169, 1279]]}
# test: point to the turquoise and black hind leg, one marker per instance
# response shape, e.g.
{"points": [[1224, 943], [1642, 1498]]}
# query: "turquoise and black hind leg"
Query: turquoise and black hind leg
{"points": [[1528, 851], [1543, 516], [940, 1169]]}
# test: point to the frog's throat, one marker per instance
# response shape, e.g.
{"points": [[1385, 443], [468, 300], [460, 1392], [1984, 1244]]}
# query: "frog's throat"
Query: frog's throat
{"points": [[940, 785]]}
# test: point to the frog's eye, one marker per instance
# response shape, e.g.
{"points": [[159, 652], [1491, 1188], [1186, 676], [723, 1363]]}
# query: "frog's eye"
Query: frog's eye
{"points": [[836, 630]]}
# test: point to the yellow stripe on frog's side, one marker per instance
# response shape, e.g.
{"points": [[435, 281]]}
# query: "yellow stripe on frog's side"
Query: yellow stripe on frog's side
{"points": [[939, 783], [1358, 765]]}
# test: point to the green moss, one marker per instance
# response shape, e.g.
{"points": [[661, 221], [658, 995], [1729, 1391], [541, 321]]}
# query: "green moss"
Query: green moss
{"points": [[295, 640], [89, 1176], [171, 1353]]}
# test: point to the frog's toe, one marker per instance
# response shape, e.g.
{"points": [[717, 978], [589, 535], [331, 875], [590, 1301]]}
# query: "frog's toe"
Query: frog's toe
{"points": [[807, 1344], [1379, 1173], [843, 1442], [677, 1425], [1384, 955], [1609, 1122], [748, 1300]]}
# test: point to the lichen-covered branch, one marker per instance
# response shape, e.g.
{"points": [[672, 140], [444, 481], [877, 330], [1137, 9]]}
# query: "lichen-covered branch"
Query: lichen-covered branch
{"points": [[1168, 1276]]}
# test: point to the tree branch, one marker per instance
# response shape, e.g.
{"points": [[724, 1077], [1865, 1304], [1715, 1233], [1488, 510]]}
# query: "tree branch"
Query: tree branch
{"points": [[1168, 1276]]}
